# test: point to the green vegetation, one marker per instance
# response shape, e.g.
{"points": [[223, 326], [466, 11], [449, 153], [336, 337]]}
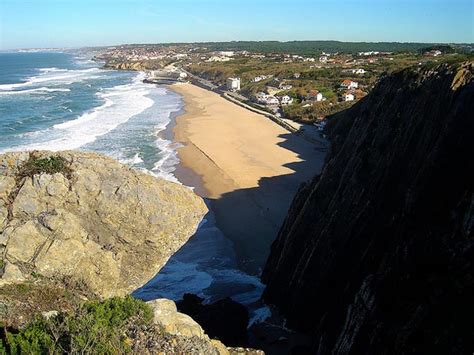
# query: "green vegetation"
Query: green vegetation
{"points": [[50, 165], [315, 111], [96, 327], [314, 47]]}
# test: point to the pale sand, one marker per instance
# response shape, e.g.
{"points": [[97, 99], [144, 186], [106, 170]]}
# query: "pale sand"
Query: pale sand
{"points": [[250, 168]]}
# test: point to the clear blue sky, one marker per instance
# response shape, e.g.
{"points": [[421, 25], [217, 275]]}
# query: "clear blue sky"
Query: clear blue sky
{"points": [[57, 23]]}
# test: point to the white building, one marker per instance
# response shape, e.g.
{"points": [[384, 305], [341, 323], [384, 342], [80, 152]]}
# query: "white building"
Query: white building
{"points": [[261, 78], [272, 100], [233, 84], [368, 53], [348, 97], [315, 96], [349, 84], [323, 59], [286, 100], [262, 97], [218, 59], [355, 71], [227, 53], [285, 87]]}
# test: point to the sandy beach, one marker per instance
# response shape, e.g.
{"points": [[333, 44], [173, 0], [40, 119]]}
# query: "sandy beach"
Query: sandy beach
{"points": [[247, 166]]}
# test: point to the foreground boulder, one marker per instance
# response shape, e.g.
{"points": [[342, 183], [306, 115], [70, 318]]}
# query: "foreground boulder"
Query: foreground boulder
{"points": [[86, 217]]}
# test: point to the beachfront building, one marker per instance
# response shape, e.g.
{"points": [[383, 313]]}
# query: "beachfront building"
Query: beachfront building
{"points": [[349, 84], [262, 97], [233, 84]]}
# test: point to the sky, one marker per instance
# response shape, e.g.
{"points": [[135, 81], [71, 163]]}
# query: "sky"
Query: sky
{"points": [[76, 23]]}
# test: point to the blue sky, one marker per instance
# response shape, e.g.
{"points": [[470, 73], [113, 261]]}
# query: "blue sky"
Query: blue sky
{"points": [[72, 23]]}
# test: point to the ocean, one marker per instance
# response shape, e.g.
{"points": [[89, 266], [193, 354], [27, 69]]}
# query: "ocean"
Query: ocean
{"points": [[63, 100]]}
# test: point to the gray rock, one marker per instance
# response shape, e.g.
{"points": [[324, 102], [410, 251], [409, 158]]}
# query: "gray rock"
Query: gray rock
{"points": [[166, 315], [104, 224], [11, 274]]}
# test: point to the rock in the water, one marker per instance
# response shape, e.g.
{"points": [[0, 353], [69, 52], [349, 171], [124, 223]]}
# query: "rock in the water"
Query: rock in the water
{"points": [[225, 320], [96, 221]]}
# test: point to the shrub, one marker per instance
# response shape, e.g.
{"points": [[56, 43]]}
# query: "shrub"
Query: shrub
{"points": [[50, 165], [97, 327]]}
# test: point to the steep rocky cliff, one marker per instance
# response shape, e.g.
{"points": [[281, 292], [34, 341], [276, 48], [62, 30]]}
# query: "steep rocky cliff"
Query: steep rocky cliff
{"points": [[88, 218], [376, 253]]}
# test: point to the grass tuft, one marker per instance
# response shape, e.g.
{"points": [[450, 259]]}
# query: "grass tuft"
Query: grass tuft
{"points": [[50, 165]]}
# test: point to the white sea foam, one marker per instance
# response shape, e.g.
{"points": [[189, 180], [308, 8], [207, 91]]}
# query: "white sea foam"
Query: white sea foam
{"points": [[55, 76], [120, 104], [132, 161], [36, 90], [165, 167], [206, 266]]}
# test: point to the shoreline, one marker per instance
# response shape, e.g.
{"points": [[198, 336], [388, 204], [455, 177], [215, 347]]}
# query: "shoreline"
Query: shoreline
{"points": [[248, 168]]}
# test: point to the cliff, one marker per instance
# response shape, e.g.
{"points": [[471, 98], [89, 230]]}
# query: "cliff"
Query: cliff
{"points": [[135, 65], [89, 219], [375, 255]]}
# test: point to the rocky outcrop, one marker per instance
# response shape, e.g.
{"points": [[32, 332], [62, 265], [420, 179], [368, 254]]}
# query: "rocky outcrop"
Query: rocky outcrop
{"points": [[88, 218], [166, 315], [376, 254], [134, 65]]}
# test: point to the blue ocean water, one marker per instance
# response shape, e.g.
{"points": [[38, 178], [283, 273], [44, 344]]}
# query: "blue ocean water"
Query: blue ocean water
{"points": [[58, 101]]}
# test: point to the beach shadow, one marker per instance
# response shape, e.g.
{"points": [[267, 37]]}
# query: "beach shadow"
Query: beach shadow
{"points": [[251, 218], [228, 252]]}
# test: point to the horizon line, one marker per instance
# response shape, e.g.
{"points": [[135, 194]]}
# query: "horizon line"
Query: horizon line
{"points": [[236, 41]]}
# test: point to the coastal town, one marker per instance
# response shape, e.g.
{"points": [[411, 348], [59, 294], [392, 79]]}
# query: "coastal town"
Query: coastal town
{"points": [[290, 87]]}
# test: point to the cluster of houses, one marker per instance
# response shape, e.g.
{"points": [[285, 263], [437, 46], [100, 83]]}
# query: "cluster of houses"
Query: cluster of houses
{"points": [[359, 71], [272, 100], [434, 53], [349, 87], [261, 78]]}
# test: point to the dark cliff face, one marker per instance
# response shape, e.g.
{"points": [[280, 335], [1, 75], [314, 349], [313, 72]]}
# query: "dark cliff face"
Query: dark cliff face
{"points": [[376, 254]]}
